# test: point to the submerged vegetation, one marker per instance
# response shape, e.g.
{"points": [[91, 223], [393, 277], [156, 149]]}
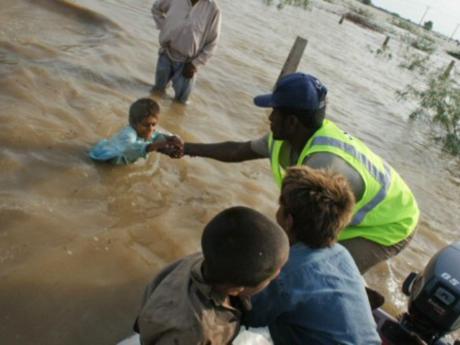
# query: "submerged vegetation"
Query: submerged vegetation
{"points": [[424, 43], [297, 3], [439, 100], [416, 62], [384, 51], [439, 103]]}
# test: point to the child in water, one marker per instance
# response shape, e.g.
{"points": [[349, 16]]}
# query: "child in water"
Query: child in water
{"points": [[138, 138]]}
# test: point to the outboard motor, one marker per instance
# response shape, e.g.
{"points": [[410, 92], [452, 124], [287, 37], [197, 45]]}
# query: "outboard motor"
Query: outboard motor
{"points": [[434, 303]]}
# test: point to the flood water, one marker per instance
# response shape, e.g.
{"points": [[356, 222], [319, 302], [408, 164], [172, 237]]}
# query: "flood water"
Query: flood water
{"points": [[79, 241]]}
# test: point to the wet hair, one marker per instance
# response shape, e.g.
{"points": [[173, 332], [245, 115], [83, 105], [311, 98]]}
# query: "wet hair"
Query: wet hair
{"points": [[242, 247], [142, 108], [320, 202]]}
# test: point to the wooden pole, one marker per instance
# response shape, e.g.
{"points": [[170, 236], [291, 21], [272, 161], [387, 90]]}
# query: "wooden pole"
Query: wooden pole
{"points": [[293, 59], [455, 30], [385, 43], [424, 14], [446, 73]]}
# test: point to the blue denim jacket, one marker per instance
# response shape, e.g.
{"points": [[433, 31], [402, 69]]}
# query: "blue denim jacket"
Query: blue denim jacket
{"points": [[319, 298]]}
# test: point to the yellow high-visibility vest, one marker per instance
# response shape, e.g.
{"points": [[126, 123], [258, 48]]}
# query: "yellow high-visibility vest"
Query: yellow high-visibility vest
{"points": [[387, 212]]}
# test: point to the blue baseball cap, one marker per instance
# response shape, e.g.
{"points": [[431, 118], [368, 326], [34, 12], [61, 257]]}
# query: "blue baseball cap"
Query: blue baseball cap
{"points": [[296, 90]]}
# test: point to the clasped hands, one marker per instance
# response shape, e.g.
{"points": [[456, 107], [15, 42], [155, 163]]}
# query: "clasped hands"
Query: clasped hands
{"points": [[172, 147]]}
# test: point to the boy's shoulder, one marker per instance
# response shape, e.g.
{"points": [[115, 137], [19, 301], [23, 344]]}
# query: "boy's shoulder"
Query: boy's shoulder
{"points": [[184, 305], [166, 297], [183, 280], [334, 260], [175, 274], [303, 254], [124, 135], [127, 131]]}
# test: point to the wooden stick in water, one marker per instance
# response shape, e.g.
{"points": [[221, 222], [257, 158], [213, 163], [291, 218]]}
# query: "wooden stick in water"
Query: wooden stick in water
{"points": [[446, 73], [293, 59]]}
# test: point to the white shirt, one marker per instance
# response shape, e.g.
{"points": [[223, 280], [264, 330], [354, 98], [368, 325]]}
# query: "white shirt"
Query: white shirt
{"points": [[188, 33]]}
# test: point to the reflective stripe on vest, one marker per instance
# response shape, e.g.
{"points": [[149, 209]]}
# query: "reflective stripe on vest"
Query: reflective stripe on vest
{"points": [[384, 178]]}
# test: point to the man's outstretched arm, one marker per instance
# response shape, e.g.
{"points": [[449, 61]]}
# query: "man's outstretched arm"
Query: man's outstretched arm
{"points": [[229, 151]]}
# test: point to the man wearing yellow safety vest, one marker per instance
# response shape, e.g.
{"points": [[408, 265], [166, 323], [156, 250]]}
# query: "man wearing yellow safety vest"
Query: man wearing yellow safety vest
{"points": [[386, 213]]}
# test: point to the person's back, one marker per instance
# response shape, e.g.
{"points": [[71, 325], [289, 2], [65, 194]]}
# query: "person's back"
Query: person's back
{"points": [[319, 297], [324, 300], [199, 299]]}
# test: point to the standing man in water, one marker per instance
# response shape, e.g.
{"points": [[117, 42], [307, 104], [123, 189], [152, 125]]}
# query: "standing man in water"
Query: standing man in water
{"points": [[386, 213], [189, 32]]}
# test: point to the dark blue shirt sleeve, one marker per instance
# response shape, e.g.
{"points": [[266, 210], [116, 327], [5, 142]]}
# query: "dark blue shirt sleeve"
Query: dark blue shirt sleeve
{"points": [[267, 305]]}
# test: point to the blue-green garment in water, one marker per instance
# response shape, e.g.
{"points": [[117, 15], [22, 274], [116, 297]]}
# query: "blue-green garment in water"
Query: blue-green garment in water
{"points": [[125, 147]]}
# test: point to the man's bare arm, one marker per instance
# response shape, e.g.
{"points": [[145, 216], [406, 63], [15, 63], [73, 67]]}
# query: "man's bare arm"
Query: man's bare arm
{"points": [[229, 151]]}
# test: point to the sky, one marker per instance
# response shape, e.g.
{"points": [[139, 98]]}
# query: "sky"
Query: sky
{"points": [[445, 14]]}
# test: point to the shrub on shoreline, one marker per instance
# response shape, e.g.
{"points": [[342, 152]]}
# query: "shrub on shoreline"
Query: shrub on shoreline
{"points": [[362, 21], [424, 43], [404, 24]]}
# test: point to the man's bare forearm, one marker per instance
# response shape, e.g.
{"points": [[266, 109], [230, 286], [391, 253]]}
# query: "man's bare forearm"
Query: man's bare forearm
{"points": [[229, 151]]}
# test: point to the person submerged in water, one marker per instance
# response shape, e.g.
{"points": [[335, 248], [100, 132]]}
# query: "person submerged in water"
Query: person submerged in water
{"points": [[137, 139]]}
